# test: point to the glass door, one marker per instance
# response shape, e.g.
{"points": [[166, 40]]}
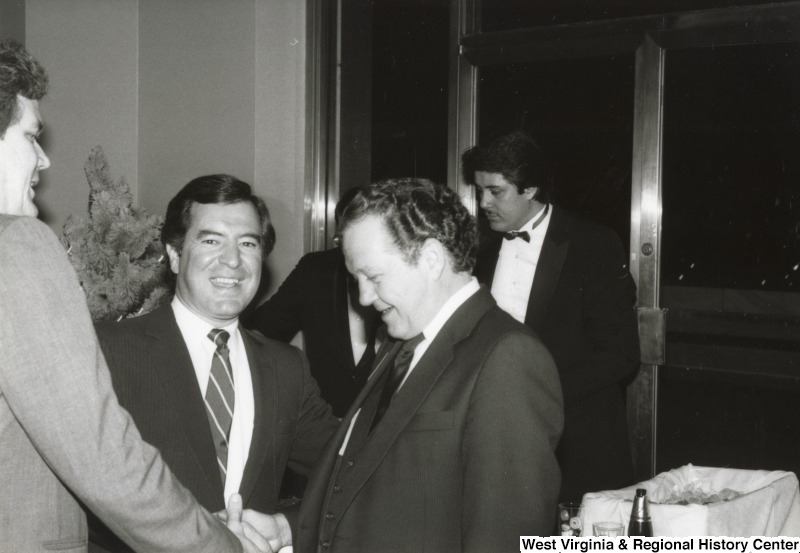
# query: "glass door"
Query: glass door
{"points": [[729, 391]]}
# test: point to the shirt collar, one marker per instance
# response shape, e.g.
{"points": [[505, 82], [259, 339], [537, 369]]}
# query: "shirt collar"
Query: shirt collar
{"points": [[192, 325], [540, 216], [453, 302]]}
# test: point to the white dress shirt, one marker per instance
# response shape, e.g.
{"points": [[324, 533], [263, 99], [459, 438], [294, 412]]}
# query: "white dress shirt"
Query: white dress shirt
{"points": [[516, 267], [195, 333], [358, 330]]}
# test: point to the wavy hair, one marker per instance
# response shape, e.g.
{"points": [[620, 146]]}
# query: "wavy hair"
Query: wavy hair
{"points": [[517, 157], [415, 210], [20, 74]]}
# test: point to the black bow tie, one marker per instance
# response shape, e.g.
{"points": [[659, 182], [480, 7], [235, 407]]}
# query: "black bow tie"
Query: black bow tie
{"points": [[525, 235], [517, 234]]}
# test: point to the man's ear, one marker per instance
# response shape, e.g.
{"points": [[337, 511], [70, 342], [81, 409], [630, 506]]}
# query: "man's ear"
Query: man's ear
{"points": [[530, 192], [174, 259], [433, 256]]}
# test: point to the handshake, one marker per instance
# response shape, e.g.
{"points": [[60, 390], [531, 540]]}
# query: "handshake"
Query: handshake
{"points": [[259, 533]]}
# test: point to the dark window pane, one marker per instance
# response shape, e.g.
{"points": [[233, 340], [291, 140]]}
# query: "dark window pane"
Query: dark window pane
{"points": [[731, 198], [709, 418], [581, 114], [410, 84], [730, 253], [502, 15]]}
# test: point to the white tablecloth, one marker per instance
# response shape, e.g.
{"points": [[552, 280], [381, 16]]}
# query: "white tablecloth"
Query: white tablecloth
{"points": [[767, 503]]}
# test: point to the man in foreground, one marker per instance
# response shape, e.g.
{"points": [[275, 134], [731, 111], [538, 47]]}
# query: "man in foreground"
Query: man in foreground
{"points": [[63, 436], [451, 444]]}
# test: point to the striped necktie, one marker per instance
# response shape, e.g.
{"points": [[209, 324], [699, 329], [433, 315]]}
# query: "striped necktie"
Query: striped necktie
{"points": [[220, 398]]}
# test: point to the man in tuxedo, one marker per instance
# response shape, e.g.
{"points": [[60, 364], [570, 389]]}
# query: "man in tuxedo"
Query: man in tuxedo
{"points": [[568, 280], [64, 439], [320, 299], [451, 444], [227, 408]]}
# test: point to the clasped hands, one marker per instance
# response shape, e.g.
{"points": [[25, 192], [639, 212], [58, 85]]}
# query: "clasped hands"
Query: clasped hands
{"points": [[259, 533]]}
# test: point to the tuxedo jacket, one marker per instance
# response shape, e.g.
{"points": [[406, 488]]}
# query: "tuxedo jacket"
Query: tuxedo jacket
{"points": [[155, 381], [462, 460], [313, 298], [582, 305], [63, 436]]}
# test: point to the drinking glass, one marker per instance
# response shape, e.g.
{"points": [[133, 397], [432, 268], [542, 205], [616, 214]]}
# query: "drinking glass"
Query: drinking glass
{"points": [[608, 529], [570, 518]]}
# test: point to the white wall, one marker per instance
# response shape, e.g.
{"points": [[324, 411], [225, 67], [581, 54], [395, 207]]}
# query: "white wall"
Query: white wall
{"points": [[89, 48], [196, 71], [12, 19], [280, 89]]}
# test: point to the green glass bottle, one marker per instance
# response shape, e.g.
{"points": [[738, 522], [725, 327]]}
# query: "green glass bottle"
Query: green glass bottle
{"points": [[640, 524]]}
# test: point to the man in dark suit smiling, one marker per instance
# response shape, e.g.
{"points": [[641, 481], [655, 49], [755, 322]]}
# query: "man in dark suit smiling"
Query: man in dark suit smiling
{"points": [[227, 408], [568, 280]]}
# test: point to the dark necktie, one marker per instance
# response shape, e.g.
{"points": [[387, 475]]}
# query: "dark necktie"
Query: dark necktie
{"points": [[220, 398], [396, 374], [525, 235]]}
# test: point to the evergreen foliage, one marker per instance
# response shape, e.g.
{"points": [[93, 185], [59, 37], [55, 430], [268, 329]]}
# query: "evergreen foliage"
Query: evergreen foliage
{"points": [[116, 252]]}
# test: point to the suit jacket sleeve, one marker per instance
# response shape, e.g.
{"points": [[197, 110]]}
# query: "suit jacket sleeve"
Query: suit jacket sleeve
{"points": [[315, 424], [609, 320], [515, 418], [56, 382], [281, 316]]}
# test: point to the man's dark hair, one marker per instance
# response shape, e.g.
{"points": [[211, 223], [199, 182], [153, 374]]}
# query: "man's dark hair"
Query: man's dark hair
{"points": [[415, 210], [344, 200], [517, 157], [213, 189], [20, 74]]}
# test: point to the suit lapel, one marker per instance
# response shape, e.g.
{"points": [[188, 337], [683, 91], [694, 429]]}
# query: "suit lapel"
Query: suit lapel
{"points": [[548, 269], [179, 382], [265, 415], [322, 477], [383, 359], [487, 258], [417, 387]]}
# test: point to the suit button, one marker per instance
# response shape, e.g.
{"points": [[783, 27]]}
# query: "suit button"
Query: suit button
{"points": [[337, 489], [326, 544], [350, 463], [329, 516]]}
